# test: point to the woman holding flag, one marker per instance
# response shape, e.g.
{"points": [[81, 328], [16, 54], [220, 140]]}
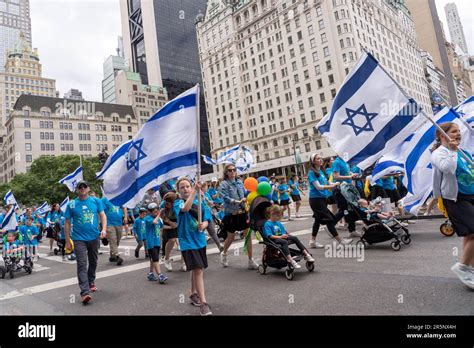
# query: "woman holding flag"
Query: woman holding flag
{"points": [[453, 181]]}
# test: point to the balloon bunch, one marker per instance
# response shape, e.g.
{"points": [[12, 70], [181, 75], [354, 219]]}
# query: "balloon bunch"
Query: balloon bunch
{"points": [[257, 187]]}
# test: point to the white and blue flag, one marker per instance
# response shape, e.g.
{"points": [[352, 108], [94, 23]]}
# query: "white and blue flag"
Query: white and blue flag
{"points": [[466, 109], [245, 161], [209, 160], [370, 115], [72, 179], [228, 156], [10, 223], [165, 147], [10, 199], [64, 204], [43, 209], [418, 177]]}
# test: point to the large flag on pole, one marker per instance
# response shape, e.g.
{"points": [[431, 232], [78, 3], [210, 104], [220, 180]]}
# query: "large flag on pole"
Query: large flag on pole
{"points": [[419, 172], [370, 115], [10, 199], [9, 222], [165, 147], [43, 208], [64, 204], [72, 179], [466, 109]]}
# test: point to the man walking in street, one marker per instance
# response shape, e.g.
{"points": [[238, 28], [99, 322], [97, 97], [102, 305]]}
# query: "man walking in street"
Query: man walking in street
{"points": [[84, 213], [116, 218]]}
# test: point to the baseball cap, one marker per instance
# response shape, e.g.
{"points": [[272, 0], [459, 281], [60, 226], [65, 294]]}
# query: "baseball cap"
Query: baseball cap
{"points": [[214, 179], [152, 206], [82, 182], [142, 210]]}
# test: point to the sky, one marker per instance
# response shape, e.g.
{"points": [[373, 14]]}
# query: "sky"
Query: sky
{"points": [[74, 37]]}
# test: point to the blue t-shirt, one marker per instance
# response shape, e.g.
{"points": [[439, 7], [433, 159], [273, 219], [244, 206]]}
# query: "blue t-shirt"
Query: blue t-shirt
{"points": [[25, 217], [27, 232], [62, 220], [465, 175], [54, 216], [283, 189], [388, 183], [358, 171], [84, 217], [114, 214], [275, 192], [139, 228], [215, 195], [378, 182], [340, 166], [189, 237], [295, 185], [273, 228], [313, 191], [152, 232]]}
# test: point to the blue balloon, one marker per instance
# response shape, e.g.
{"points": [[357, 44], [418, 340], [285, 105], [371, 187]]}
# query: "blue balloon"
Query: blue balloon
{"points": [[269, 197], [263, 178]]}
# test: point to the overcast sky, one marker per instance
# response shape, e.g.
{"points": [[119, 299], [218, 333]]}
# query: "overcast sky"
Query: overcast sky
{"points": [[74, 37]]}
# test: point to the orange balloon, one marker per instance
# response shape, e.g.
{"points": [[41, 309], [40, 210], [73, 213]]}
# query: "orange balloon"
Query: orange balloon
{"points": [[251, 184]]}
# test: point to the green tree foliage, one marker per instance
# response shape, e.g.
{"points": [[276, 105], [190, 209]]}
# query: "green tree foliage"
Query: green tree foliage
{"points": [[41, 182]]}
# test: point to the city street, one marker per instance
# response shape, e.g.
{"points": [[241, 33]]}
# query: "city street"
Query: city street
{"points": [[413, 281]]}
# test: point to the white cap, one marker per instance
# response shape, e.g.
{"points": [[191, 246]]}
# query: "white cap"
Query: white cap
{"points": [[214, 179]]}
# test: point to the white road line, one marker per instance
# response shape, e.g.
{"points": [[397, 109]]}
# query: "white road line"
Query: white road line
{"points": [[111, 272]]}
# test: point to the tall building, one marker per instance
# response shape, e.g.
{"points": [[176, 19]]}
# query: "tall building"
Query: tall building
{"points": [[430, 38], [159, 38], [53, 126], [437, 82], [145, 100], [455, 26], [111, 67], [459, 64], [73, 94], [22, 75], [14, 19], [271, 69]]}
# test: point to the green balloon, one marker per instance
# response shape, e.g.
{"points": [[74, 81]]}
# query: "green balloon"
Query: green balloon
{"points": [[264, 188]]}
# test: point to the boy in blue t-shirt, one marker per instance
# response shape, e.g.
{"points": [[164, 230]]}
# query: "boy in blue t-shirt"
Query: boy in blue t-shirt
{"points": [[274, 230], [283, 190], [115, 220], [30, 237], [139, 231], [153, 225]]}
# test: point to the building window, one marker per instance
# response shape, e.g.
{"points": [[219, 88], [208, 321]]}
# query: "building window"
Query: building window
{"points": [[27, 146], [29, 158], [27, 124], [27, 135]]}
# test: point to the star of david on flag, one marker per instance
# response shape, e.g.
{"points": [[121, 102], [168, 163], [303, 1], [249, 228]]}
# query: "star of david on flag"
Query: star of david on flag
{"points": [[135, 155], [362, 116]]}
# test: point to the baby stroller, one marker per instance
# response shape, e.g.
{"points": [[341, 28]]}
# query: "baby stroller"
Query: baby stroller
{"points": [[446, 227], [272, 253], [15, 259], [56, 234], [375, 230]]}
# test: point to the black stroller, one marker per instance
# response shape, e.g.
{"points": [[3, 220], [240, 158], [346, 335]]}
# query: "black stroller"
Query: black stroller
{"points": [[375, 230], [272, 254]]}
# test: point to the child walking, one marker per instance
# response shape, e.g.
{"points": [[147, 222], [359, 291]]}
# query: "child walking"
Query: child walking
{"points": [[153, 225], [139, 231]]}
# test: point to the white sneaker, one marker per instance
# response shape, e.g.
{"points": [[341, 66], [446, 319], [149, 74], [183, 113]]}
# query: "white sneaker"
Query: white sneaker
{"points": [[355, 234], [183, 267], [359, 222], [309, 258], [168, 265], [295, 264], [253, 264], [162, 260], [224, 260], [464, 274], [411, 222], [404, 224], [346, 241], [315, 245]]}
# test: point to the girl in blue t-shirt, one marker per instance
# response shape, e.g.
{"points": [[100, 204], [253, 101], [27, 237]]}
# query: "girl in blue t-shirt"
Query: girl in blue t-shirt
{"points": [[192, 239], [284, 190], [296, 193], [51, 218]]}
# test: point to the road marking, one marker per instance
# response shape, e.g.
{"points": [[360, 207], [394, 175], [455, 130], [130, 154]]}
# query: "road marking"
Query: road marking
{"points": [[109, 273]]}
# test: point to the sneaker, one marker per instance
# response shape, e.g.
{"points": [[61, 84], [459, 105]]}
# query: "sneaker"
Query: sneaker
{"points": [[92, 287], [224, 260], [113, 259], [298, 215], [119, 261], [464, 274], [204, 309], [195, 300], [183, 267], [137, 255], [100, 252], [346, 241], [85, 299], [404, 224], [152, 277], [162, 278], [168, 265], [315, 245], [309, 258], [162, 260], [359, 222], [411, 222], [355, 234], [295, 264], [253, 264]]}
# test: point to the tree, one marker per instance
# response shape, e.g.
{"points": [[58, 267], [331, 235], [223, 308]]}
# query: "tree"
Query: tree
{"points": [[41, 183]]}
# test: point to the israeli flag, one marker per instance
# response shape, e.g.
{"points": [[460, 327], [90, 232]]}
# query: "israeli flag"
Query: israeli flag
{"points": [[418, 177], [64, 204], [43, 209], [165, 147], [10, 222], [370, 115], [228, 156], [10, 199], [466, 109], [209, 160], [72, 179], [245, 162]]}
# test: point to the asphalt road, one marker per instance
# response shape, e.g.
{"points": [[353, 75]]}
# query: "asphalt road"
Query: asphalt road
{"points": [[413, 281]]}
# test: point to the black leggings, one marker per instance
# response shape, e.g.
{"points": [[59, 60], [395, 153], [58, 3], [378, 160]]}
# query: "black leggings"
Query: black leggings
{"points": [[322, 216], [341, 207], [284, 243]]}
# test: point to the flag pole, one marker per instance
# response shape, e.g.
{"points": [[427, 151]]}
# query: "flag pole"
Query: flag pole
{"points": [[198, 174], [422, 111]]}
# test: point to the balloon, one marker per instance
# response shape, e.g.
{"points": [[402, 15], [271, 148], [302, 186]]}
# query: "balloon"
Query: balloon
{"points": [[251, 184], [269, 197], [263, 178], [72, 248], [252, 196], [264, 188]]}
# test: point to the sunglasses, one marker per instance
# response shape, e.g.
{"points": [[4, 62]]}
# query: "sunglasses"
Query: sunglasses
{"points": [[231, 170], [82, 187]]}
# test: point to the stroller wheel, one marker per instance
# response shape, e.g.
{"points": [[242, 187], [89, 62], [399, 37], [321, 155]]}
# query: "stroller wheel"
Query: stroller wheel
{"points": [[262, 269], [310, 266], [446, 229], [289, 274], [406, 239], [396, 246], [12, 274]]}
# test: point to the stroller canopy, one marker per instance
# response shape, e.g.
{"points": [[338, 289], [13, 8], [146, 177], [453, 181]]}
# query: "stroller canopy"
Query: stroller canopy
{"points": [[257, 212]]}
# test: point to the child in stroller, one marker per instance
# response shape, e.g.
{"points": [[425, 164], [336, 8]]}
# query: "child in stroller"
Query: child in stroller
{"points": [[276, 253], [15, 255]]}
